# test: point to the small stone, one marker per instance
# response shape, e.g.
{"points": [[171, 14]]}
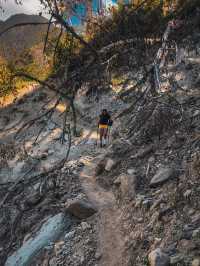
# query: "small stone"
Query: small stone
{"points": [[196, 234], [147, 203], [131, 171], [69, 235], [109, 165], [187, 193], [158, 258], [196, 262], [98, 255], [117, 181], [85, 226], [82, 259]]}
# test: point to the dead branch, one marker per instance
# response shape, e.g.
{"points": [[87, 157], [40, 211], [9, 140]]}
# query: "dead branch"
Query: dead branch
{"points": [[63, 23], [57, 43], [12, 188], [45, 84], [29, 123], [48, 118], [47, 34]]}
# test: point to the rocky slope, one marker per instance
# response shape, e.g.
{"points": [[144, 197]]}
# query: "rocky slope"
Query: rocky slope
{"points": [[17, 40], [136, 202]]}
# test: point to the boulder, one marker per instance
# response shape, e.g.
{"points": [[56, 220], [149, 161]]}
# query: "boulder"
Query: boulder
{"points": [[158, 258], [163, 175], [81, 209], [48, 233]]}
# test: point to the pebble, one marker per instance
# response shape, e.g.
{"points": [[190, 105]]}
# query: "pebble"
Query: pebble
{"points": [[196, 262], [98, 255], [85, 226]]}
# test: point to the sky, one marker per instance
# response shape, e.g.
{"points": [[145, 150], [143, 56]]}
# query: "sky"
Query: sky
{"points": [[28, 7], [34, 7]]}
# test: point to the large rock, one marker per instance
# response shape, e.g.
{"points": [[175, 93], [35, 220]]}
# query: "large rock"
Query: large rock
{"points": [[81, 209], [158, 258], [162, 176], [49, 232]]}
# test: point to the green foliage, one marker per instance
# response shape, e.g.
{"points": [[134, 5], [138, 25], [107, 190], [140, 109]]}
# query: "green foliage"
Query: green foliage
{"points": [[5, 78], [31, 61], [66, 49], [148, 22]]}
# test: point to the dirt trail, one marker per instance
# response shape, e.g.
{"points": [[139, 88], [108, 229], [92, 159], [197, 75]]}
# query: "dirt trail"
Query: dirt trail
{"points": [[111, 243]]}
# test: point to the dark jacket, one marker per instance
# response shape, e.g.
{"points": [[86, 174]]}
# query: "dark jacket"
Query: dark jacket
{"points": [[104, 119]]}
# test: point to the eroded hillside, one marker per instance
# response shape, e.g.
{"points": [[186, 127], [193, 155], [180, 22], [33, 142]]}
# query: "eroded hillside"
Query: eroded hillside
{"points": [[134, 202]]}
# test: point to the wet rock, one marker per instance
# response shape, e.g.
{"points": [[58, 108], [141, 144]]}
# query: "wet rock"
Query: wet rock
{"points": [[158, 258], [49, 232], [196, 219], [162, 176], [81, 209]]}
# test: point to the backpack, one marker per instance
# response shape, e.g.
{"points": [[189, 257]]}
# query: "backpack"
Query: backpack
{"points": [[110, 123]]}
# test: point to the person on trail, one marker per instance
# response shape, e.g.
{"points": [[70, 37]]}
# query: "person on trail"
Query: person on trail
{"points": [[104, 122]]}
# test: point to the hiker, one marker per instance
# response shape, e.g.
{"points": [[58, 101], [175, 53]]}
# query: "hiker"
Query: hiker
{"points": [[104, 122]]}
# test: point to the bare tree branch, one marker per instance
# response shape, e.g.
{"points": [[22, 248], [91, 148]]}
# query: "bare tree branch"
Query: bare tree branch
{"points": [[62, 22], [47, 35]]}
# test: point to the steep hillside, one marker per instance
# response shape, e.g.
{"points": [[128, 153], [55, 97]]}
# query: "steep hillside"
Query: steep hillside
{"points": [[18, 39], [134, 202]]}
